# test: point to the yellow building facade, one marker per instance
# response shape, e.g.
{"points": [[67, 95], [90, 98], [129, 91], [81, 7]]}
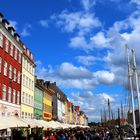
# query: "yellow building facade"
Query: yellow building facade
{"points": [[71, 114], [66, 111], [27, 87], [47, 105]]}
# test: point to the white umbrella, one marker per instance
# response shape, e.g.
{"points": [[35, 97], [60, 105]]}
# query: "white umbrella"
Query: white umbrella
{"points": [[55, 124], [44, 124], [11, 122], [32, 122]]}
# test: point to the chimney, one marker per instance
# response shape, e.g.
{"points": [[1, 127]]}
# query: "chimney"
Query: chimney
{"points": [[1, 16], [47, 83], [41, 82], [12, 30], [17, 36], [6, 23]]}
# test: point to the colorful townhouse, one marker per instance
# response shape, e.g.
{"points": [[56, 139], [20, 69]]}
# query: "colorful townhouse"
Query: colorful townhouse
{"points": [[66, 111], [47, 102], [23, 95], [27, 86], [70, 113], [10, 69], [85, 120], [78, 115], [38, 99], [74, 115], [59, 99]]}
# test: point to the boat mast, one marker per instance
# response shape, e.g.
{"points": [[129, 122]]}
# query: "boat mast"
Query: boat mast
{"points": [[131, 90], [122, 111], [109, 110], [136, 79]]}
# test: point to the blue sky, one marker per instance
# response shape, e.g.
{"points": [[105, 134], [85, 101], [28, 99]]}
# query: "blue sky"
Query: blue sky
{"points": [[80, 45]]}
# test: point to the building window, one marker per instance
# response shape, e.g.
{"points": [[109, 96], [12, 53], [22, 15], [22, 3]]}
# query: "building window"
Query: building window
{"points": [[1, 39], [32, 85], [29, 100], [11, 50], [3, 114], [26, 97], [4, 92], [22, 115], [25, 115], [18, 77], [26, 81], [23, 80], [18, 97], [15, 72], [14, 96], [32, 100], [29, 115], [5, 68], [19, 57], [23, 95], [0, 64], [7, 45], [9, 94], [30, 68], [25, 64], [15, 56], [10, 71], [29, 83]]}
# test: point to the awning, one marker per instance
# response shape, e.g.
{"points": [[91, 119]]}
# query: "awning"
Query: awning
{"points": [[11, 122]]}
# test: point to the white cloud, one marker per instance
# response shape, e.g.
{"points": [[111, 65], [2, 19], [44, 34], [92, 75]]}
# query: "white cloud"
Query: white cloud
{"points": [[87, 4], [25, 32], [76, 21], [68, 70], [106, 97], [44, 23], [13, 23], [69, 76], [136, 2], [87, 60], [79, 42], [100, 40], [104, 77], [94, 103]]}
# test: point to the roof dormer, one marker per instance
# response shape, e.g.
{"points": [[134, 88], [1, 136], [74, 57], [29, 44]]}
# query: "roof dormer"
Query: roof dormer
{"points": [[17, 36], [12, 30], [6, 23], [1, 16]]}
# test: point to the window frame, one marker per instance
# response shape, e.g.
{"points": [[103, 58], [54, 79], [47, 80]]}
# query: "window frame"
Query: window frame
{"points": [[6, 45], [4, 92], [9, 94], [14, 96], [10, 71], [11, 49], [5, 68]]}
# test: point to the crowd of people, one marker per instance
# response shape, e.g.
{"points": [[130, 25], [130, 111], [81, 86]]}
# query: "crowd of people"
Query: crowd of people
{"points": [[92, 133], [80, 134]]}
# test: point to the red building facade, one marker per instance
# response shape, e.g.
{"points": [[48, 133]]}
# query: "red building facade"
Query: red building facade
{"points": [[10, 70]]}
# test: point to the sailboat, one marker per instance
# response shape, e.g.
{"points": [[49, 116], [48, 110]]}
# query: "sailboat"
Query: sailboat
{"points": [[133, 76]]}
